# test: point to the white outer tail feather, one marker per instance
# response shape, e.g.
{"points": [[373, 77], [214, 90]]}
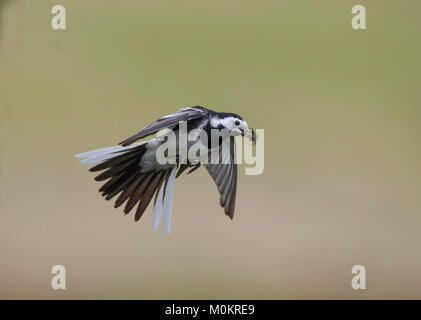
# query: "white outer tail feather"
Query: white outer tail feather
{"points": [[157, 209], [163, 206], [99, 155], [167, 203]]}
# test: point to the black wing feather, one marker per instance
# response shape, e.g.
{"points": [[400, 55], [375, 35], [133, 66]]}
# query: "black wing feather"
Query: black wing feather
{"points": [[169, 121], [225, 177]]}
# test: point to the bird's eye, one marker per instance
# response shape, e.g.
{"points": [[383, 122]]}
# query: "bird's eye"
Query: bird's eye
{"points": [[237, 123]]}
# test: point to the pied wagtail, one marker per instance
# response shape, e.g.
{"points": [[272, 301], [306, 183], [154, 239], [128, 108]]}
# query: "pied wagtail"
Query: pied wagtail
{"points": [[134, 173]]}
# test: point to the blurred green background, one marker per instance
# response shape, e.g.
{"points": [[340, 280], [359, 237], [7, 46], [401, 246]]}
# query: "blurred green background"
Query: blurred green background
{"points": [[341, 113]]}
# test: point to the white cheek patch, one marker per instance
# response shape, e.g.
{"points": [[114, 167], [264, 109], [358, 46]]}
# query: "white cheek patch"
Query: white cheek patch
{"points": [[228, 123]]}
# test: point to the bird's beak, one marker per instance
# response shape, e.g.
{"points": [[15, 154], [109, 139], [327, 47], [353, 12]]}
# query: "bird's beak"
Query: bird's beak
{"points": [[247, 132]]}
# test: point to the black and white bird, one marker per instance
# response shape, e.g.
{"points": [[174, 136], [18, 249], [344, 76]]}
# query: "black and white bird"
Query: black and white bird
{"points": [[133, 172]]}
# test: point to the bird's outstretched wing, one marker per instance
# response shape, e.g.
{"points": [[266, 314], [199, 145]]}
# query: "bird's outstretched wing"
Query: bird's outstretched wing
{"points": [[168, 121], [225, 176]]}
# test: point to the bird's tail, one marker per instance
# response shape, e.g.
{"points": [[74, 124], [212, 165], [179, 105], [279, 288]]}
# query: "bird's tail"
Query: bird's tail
{"points": [[121, 166]]}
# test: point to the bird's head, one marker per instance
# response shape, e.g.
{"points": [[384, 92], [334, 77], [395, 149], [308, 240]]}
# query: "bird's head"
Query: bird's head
{"points": [[235, 124]]}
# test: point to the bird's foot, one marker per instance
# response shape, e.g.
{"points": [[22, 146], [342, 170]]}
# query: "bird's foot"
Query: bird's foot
{"points": [[195, 167]]}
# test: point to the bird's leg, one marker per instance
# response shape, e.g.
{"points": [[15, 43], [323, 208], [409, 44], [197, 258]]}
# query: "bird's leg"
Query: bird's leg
{"points": [[195, 167]]}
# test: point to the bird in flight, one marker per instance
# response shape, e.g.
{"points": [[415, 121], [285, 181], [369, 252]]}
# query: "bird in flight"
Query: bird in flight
{"points": [[135, 173]]}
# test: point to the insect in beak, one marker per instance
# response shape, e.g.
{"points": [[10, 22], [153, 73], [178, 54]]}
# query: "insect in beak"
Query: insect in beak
{"points": [[251, 134]]}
